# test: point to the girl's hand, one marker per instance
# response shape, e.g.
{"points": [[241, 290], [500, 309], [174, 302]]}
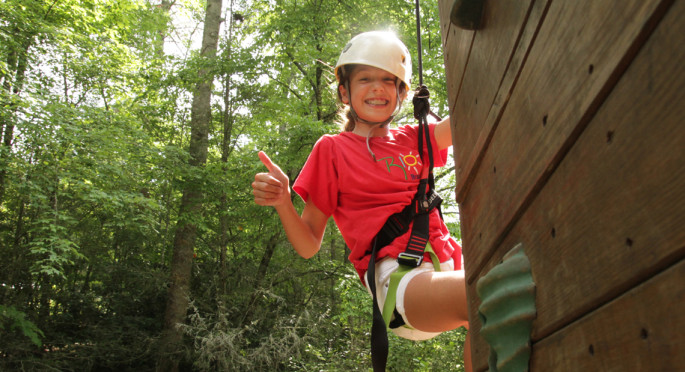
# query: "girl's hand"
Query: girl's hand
{"points": [[272, 188]]}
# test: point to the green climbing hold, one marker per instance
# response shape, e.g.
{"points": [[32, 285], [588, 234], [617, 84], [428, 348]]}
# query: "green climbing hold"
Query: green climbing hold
{"points": [[507, 311]]}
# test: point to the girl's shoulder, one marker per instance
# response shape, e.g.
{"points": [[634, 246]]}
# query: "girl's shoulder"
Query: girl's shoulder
{"points": [[330, 140], [407, 132], [407, 128], [327, 140], [328, 144]]}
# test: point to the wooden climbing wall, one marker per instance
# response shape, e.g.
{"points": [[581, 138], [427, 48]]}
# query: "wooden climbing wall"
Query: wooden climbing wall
{"points": [[568, 121]]}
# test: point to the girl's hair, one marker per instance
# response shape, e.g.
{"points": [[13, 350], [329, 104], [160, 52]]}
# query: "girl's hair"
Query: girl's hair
{"points": [[345, 117]]}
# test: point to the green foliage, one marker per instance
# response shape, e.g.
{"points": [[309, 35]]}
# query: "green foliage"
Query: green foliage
{"points": [[91, 184], [17, 321]]}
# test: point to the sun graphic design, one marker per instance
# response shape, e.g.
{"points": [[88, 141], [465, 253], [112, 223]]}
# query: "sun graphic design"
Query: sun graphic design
{"points": [[411, 162]]}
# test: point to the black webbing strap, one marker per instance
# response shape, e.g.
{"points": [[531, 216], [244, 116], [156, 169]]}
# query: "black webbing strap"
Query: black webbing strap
{"points": [[421, 111], [398, 223], [379, 335], [418, 211]]}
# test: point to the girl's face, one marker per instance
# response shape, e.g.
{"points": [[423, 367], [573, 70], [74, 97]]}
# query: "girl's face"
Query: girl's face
{"points": [[374, 93]]}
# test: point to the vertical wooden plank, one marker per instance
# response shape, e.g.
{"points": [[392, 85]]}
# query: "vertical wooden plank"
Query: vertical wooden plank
{"points": [[456, 47], [480, 350], [581, 51], [470, 163], [640, 331], [444, 8], [491, 53], [611, 214]]}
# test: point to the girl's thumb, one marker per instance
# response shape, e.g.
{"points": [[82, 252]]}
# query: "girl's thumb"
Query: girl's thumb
{"points": [[267, 162]]}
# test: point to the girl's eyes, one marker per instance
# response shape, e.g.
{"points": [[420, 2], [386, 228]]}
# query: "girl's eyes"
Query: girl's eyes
{"points": [[385, 80]]}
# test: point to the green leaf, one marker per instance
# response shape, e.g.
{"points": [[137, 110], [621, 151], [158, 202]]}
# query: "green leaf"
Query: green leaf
{"points": [[17, 320]]}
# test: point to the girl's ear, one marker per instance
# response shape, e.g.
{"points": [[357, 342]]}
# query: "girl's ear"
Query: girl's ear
{"points": [[343, 94]]}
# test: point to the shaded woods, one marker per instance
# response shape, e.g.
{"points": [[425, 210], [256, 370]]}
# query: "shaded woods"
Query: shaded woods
{"points": [[128, 235]]}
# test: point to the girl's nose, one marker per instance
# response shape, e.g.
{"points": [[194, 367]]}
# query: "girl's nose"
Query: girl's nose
{"points": [[377, 85]]}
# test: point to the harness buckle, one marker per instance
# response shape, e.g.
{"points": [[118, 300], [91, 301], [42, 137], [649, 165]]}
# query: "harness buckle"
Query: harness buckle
{"points": [[410, 259]]}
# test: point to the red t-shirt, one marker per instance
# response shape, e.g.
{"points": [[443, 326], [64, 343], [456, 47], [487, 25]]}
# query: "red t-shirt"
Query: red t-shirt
{"points": [[344, 181]]}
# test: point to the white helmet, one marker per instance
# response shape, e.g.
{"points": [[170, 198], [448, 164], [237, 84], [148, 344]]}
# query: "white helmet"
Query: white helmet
{"points": [[381, 49]]}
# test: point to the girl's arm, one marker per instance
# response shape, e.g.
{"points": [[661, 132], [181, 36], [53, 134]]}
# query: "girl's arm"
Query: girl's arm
{"points": [[304, 232], [443, 134]]}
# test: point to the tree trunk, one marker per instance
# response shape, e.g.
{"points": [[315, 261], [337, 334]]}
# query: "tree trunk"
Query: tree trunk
{"points": [[227, 120], [17, 60], [165, 8], [260, 276], [191, 202]]}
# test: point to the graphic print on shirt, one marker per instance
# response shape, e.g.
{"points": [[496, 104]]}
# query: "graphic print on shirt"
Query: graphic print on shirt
{"points": [[410, 164]]}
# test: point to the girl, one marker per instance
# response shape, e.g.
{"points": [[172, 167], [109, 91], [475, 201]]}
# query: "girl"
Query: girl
{"points": [[364, 175]]}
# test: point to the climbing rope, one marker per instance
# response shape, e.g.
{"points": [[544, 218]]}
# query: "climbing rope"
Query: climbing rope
{"points": [[418, 42], [421, 103], [379, 335], [421, 95]]}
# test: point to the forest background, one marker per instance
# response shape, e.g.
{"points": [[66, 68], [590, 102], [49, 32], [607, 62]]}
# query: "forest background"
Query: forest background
{"points": [[129, 239]]}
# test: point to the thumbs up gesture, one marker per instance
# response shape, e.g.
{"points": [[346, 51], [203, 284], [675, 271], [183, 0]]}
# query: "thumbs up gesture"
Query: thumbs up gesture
{"points": [[272, 188]]}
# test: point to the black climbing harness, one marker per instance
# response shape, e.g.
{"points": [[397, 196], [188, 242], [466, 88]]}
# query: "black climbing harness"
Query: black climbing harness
{"points": [[418, 212]]}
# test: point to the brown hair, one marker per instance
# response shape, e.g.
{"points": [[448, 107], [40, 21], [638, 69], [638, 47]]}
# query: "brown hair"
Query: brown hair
{"points": [[345, 117], [346, 120]]}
